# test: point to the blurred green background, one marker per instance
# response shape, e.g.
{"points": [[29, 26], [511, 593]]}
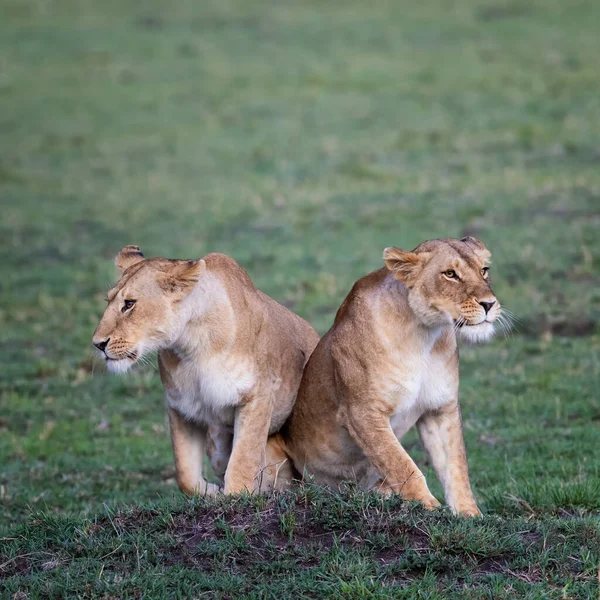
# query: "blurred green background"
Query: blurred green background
{"points": [[301, 138]]}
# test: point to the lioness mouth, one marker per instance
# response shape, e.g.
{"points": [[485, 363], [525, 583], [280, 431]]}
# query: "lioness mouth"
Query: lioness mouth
{"points": [[130, 356]]}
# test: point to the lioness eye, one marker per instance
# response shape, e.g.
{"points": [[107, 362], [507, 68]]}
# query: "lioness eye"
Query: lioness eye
{"points": [[484, 271], [450, 273], [127, 305]]}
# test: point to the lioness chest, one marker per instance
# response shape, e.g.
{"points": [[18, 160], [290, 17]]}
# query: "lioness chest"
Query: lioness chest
{"points": [[208, 391], [416, 386]]}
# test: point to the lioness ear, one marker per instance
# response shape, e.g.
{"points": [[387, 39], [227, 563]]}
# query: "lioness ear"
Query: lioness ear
{"points": [[129, 256], [404, 265], [478, 247], [182, 275]]}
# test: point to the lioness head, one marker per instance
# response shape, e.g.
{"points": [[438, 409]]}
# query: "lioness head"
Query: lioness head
{"points": [[449, 282], [142, 313]]}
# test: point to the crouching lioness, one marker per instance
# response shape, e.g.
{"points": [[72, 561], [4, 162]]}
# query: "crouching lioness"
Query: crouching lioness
{"points": [[230, 359], [390, 361]]}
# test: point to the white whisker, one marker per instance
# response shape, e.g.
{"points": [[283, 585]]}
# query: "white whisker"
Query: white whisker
{"points": [[503, 327], [458, 324], [511, 316], [95, 361], [506, 325], [146, 360]]}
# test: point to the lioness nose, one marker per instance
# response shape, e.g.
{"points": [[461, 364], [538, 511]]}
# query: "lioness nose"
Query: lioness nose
{"points": [[102, 345], [487, 305]]}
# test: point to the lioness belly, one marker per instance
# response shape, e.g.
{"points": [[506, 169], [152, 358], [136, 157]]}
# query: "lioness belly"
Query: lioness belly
{"points": [[328, 457], [333, 469]]}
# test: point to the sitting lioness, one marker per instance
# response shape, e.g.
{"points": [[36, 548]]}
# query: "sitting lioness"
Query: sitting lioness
{"points": [[390, 361], [230, 359]]}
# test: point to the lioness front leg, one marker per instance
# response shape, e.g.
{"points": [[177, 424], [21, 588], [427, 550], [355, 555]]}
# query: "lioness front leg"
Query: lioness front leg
{"points": [[251, 429], [372, 431], [189, 441], [441, 434]]}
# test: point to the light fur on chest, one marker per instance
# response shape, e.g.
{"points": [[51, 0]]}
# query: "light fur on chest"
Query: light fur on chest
{"points": [[208, 392], [416, 387]]}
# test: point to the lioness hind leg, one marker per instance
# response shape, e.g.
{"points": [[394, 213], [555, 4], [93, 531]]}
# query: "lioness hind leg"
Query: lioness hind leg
{"points": [[277, 473], [189, 441], [218, 448]]}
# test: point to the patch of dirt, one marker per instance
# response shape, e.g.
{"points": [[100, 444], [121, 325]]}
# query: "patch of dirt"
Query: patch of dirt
{"points": [[181, 554], [561, 326], [259, 528], [574, 327], [262, 537], [18, 565], [150, 22], [25, 563], [491, 566], [494, 12]]}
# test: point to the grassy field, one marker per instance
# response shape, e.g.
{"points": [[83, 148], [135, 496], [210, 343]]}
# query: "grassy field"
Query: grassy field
{"points": [[301, 138]]}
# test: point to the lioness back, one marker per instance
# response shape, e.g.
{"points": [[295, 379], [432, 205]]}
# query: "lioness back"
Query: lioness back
{"points": [[314, 434]]}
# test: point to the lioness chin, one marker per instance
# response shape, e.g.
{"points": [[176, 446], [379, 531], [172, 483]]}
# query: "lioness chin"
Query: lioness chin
{"points": [[230, 360], [389, 361]]}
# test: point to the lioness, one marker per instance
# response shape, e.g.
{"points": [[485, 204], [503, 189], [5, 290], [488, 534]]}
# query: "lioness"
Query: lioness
{"points": [[230, 358], [390, 361]]}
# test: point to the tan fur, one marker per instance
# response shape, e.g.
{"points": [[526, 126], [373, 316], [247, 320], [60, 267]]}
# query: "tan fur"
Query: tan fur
{"points": [[391, 361], [230, 359]]}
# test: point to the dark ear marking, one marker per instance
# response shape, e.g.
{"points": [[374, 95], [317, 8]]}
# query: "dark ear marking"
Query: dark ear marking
{"points": [[472, 241], [182, 276], [477, 246], [129, 256], [170, 285]]}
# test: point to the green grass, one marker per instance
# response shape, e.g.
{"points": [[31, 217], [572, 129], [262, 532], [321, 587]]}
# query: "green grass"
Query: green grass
{"points": [[301, 138], [305, 544]]}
